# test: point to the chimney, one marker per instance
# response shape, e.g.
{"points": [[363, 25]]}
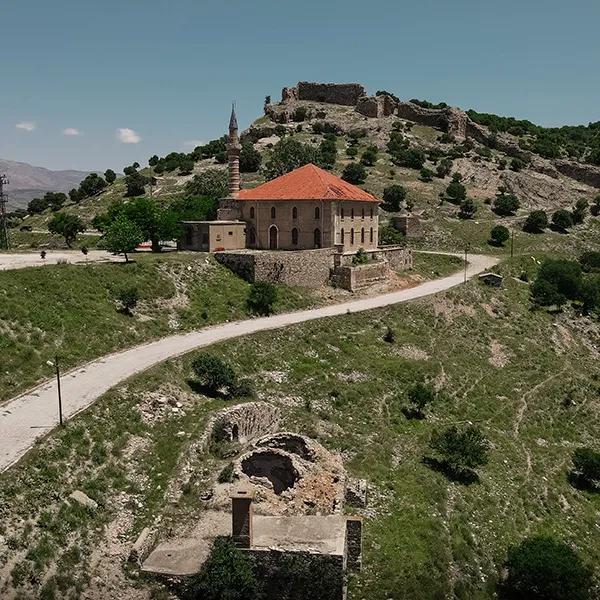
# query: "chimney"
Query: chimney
{"points": [[241, 517]]}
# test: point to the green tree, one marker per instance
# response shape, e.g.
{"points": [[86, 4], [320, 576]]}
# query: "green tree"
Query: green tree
{"points": [[542, 568], [498, 235], [262, 297], [389, 235], [186, 166], [505, 204], [250, 158], [93, 184], [544, 293], [153, 160], [354, 173], [586, 467], [212, 183], [227, 575], [369, 156], [557, 281], [460, 451], [37, 205], [75, 195], [419, 396], [590, 261], [135, 184], [562, 219], [55, 200], [595, 208], [66, 225], [468, 208], [110, 176], [123, 236], [536, 221], [289, 154], [590, 294], [443, 168], [456, 192], [393, 196], [413, 158], [213, 373], [426, 175]]}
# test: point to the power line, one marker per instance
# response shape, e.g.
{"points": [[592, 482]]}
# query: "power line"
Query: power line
{"points": [[4, 239]]}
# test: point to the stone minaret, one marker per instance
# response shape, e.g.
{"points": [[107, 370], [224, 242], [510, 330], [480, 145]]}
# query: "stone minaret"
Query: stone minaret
{"points": [[233, 155], [229, 210]]}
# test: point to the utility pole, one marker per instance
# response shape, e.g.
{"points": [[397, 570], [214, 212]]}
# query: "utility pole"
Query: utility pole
{"points": [[57, 370], [4, 239]]}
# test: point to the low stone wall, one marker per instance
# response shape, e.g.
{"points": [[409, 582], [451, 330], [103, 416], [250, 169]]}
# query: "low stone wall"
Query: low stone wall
{"points": [[309, 268], [300, 575], [356, 277]]}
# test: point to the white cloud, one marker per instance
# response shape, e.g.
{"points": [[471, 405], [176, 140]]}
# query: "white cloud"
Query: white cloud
{"points": [[71, 131], [193, 143], [26, 125], [128, 136]]}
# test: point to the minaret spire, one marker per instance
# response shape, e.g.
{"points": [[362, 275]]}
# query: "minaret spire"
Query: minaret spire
{"points": [[233, 155]]}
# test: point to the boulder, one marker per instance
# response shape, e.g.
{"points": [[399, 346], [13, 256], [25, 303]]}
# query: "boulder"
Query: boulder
{"points": [[83, 499]]}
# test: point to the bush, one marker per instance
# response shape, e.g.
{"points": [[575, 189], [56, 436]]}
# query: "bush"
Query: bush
{"points": [[586, 467], [595, 208], [590, 262], [443, 168], [426, 175], [590, 294], [409, 157], [262, 297], [468, 208], [244, 388], [300, 114], [460, 451], [389, 235], [228, 574], [393, 196], [419, 396], [542, 568], [226, 475], [580, 211], [369, 157], [361, 257], [557, 281], [516, 164], [212, 183], [498, 235], [562, 219], [536, 222], [135, 184], [128, 298], [354, 173], [456, 192], [213, 373], [505, 204], [351, 151], [289, 154], [389, 336], [543, 293], [250, 158]]}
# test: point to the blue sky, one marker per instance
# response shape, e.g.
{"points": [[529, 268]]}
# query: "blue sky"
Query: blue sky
{"points": [[168, 69]]}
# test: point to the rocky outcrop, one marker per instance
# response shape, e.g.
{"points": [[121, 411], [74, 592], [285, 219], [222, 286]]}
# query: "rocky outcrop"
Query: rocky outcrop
{"points": [[585, 173], [346, 94], [376, 106]]}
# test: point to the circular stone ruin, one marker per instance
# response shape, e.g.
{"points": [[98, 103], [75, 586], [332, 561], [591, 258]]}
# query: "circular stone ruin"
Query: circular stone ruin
{"points": [[273, 465]]}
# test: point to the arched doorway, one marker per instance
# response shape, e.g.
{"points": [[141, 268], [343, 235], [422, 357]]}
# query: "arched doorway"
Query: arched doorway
{"points": [[294, 237], [273, 237], [317, 238]]}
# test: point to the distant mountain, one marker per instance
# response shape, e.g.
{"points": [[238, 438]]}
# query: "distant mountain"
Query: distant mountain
{"points": [[27, 182]]}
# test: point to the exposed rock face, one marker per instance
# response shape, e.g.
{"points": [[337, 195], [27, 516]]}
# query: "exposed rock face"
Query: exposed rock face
{"points": [[346, 94], [376, 106], [452, 120], [586, 173]]}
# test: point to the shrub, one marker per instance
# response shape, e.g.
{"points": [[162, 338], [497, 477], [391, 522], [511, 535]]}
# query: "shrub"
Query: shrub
{"points": [[505, 204], [389, 336], [590, 262], [595, 208], [213, 372], [557, 281], [244, 388], [498, 235], [351, 151], [128, 298], [590, 294], [390, 235], [354, 173], [226, 475], [562, 219], [456, 192], [586, 467], [300, 114], [542, 568], [544, 293], [262, 297], [110, 176], [361, 257], [443, 168], [580, 211], [426, 175], [460, 451], [419, 396], [409, 157], [369, 157], [516, 164], [226, 575], [393, 196], [468, 208], [536, 222]]}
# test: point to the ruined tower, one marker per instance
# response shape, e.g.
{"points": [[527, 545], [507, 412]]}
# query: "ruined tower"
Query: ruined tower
{"points": [[229, 210]]}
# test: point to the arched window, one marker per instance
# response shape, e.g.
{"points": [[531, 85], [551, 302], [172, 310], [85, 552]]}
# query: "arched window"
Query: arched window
{"points": [[342, 212], [352, 236], [371, 213], [252, 212], [317, 213], [317, 238], [371, 235], [294, 237], [352, 214], [362, 216], [342, 236], [252, 237], [362, 235], [272, 212], [294, 213], [273, 237]]}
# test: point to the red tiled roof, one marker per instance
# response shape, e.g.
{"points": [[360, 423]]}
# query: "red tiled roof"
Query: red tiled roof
{"points": [[307, 183]]}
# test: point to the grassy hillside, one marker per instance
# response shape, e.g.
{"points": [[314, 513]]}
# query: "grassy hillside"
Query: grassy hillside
{"points": [[71, 310], [530, 380]]}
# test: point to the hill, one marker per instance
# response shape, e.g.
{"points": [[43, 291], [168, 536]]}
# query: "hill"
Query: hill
{"points": [[414, 144]]}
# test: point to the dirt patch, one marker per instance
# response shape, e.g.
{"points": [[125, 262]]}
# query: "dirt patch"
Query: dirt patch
{"points": [[411, 353], [499, 356], [449, 311]]}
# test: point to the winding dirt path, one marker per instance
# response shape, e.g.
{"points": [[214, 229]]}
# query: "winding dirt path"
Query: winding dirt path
{"points": [[28, 417]]}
